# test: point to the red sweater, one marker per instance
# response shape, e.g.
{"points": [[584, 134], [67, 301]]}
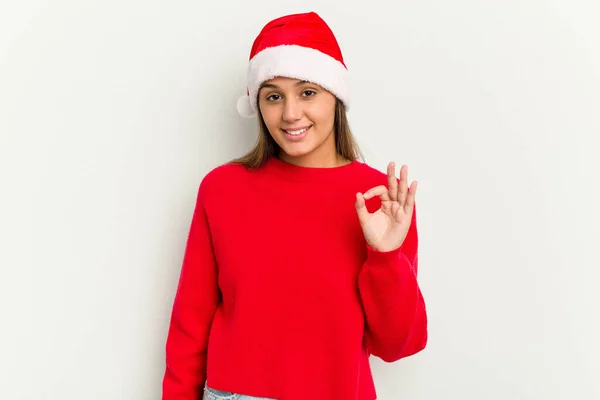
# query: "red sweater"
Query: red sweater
{"points": [[279, 294]]}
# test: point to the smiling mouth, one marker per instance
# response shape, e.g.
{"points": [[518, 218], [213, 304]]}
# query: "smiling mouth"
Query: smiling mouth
{"points": [[296, 132]]}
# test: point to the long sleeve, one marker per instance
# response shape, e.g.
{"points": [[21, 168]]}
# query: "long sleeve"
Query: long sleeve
{"points": [[194, 306], [396, 318]]}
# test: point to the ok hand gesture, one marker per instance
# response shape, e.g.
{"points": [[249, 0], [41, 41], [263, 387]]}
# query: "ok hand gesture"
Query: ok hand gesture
{"points": [[386, 228]]}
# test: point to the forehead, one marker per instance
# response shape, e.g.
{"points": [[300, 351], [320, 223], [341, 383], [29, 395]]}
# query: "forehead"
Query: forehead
{"points": [[283, 82]]}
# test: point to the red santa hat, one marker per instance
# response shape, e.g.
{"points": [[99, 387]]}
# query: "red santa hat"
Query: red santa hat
{"points": [[300, 46]]}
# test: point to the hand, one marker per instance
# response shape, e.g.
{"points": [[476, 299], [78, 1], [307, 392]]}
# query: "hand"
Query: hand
{"points": [[386, 228]]}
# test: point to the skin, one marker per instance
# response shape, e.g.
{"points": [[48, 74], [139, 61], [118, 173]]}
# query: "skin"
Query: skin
{"points": [[287, 104]]}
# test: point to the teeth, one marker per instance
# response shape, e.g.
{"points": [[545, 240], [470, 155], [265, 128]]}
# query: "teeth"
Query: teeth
{"points": [[294, 133]]}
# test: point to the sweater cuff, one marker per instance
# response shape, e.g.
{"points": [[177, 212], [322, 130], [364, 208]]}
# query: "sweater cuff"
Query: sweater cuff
{"points": [[384, 258]]}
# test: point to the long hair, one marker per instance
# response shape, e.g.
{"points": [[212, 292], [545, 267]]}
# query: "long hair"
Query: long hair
{"points": [[266, 147]]}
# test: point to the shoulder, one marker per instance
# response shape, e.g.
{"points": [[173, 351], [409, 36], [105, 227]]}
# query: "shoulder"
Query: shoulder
{"points": [[223, 172], [369, 176], [220, 178]]}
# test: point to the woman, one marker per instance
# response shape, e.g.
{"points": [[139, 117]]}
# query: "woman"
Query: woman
{"points": [[301, 261]]}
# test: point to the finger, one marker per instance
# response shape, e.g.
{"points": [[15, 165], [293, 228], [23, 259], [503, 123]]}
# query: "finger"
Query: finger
{"points": [[410, 199], [395, 208], [380, 191], [392, 181], [361, 208], [403, 185]]}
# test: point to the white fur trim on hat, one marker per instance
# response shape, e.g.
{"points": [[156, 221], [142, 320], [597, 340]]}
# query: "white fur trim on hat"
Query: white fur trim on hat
{"points": [[293, 61]]}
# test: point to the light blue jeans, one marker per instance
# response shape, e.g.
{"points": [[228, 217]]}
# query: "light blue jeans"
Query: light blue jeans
{"points": [[213, 394]]}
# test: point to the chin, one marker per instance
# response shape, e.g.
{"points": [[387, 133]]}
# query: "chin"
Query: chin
{"points": [[296, 151]]}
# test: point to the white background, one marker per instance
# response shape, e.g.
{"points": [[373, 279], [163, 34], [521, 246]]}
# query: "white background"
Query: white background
{"points": [[112, 111]]}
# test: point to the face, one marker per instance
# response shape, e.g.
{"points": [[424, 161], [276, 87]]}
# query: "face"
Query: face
{"points": [[300, 117]]}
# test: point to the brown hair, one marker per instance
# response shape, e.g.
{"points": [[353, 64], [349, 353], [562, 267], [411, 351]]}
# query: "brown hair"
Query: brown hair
{"points": [[265, 147]]}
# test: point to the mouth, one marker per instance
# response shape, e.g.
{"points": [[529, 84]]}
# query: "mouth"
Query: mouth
{"points": [[296, 133]]}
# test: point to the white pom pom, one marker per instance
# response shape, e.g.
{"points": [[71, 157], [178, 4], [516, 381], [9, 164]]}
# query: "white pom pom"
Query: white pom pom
{"points": [[244, 107]]}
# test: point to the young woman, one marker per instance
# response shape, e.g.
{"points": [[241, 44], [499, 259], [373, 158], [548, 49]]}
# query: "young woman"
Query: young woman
{"points": [[301, 260]]}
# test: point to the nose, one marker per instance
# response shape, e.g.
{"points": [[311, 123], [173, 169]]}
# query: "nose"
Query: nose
{"points": [[292, 110]]}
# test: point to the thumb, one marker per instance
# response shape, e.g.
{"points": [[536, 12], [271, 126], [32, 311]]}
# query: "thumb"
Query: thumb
{"points": [[361, 208]]}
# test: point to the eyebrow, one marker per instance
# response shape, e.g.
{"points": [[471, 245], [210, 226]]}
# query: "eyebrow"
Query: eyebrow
{"points": [[270, 85]]}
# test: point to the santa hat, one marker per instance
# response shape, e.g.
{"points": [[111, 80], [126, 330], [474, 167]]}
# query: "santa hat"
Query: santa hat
{"points": [[300, 46]]}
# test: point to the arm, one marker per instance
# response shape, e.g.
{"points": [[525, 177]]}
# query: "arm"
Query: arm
{"points": [[396, 318], [194, 306]]}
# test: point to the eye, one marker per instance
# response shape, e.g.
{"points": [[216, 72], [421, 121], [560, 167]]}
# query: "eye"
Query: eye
{"points": [[273, 97], [309, 93]]}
